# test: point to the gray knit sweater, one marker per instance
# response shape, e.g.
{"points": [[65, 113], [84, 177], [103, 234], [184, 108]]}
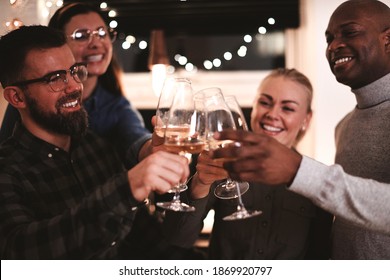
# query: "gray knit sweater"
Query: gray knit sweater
{"points": [[361, 202]]}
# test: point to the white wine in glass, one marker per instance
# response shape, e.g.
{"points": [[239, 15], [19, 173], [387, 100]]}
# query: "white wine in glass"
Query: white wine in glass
{"points": [[170, 88], [183, 135], [220, 117], [241, 212]]}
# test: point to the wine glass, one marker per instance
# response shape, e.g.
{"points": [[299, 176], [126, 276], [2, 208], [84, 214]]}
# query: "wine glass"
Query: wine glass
{"points": [[184, 134], [229, 188], [171, 87], [219, 117], [241, 212]]}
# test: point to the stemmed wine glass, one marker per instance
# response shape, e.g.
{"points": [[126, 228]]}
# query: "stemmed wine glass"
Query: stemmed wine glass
{"points": [[183, 135], [171, 87], [241, 212], [219, 117]]}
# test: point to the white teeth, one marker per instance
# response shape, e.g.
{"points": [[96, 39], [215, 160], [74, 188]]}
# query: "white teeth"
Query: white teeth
{"points": [[70, 104], [94, 58], [341, 60], [271, 128]]}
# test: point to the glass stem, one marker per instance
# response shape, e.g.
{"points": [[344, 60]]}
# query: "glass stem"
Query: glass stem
{"points": [[176, 197], [229, 183], [240, 205]]}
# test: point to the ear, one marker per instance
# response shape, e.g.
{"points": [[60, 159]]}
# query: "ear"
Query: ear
{"points": [[387, 40], [14, 96], [306, 121]]}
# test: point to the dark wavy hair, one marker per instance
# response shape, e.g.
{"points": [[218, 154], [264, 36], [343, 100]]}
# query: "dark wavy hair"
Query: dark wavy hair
{"points": [[110, 80]]}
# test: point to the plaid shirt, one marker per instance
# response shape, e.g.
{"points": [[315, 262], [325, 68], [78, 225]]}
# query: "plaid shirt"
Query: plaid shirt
{"points": [[60, 205]]}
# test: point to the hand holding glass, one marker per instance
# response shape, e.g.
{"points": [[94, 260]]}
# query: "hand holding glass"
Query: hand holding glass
{"points": [[241, 212], [182, 136]]}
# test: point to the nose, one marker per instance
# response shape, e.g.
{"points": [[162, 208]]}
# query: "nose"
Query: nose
{"points": [[71, 84], [273, 113], [335, 45], [93, 38]]}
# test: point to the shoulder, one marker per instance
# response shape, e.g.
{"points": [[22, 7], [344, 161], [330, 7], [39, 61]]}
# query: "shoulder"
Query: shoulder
{"points": [[105, 98]]}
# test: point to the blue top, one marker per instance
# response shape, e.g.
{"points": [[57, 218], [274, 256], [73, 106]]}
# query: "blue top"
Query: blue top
{"points": [[110, 116]]}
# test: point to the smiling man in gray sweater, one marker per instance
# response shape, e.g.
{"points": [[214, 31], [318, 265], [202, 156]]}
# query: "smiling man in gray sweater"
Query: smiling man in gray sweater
{"points": [[357, 188]]}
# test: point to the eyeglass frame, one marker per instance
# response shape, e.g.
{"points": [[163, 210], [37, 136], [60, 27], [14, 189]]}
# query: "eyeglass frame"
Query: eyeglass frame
{"points": [[48, 78], [110, 32]]}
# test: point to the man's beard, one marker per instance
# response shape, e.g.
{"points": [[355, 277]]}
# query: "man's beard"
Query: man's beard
{"points": [[73, 124]]}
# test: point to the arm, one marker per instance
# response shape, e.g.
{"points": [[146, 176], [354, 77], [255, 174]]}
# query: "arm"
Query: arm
{"points": [[264, 160], [86, 230], [362, 201], [78, 226]]}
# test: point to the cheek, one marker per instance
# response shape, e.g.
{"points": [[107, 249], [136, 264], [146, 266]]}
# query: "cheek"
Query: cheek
{"points": [[256, 116], [293, 125]]}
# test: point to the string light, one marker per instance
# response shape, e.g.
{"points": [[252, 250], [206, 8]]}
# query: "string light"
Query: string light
{"points": [[184, 61], [103, 5], [14, 24]]}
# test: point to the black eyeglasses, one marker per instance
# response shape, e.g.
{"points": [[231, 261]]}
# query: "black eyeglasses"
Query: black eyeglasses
{"points": [[85, 35], [58, 80]]}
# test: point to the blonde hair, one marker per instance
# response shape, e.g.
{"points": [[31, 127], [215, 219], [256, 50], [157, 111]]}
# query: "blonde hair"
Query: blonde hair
{"points": [[296, 76]]}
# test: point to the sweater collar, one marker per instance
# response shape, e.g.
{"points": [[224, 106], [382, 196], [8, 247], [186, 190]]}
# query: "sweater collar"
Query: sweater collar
{"points": [[374, 93]]}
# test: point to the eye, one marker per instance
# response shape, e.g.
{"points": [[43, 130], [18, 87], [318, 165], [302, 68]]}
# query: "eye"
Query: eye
{"points": [[81, 35], [350, 33], [288, 109], [264, 103], [55, 78], [102, 33]]}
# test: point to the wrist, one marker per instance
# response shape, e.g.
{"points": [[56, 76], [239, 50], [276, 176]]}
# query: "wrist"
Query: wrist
{"points": [[199, 189]]}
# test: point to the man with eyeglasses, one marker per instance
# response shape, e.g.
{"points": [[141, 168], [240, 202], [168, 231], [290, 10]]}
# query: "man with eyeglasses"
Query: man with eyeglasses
{"points": [[64, 193]]}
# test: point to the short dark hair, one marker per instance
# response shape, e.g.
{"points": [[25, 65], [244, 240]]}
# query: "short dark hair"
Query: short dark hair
{"points": [[15, 45]]}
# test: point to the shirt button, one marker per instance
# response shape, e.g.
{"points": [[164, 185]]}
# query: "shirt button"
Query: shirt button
{"points": [[267, 197], [50, 155], [113, 243], [302, 209], [264, 223], [260, 251], [56, 149]]}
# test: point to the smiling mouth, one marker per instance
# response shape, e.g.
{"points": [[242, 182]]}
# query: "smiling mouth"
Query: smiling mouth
{"points": [[94, 58], [71, 104], [342, 60], [270, 128]]}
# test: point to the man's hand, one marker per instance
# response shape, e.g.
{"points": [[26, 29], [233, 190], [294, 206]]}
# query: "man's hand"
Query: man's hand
{"points": [[157, 172], [260, 158]]}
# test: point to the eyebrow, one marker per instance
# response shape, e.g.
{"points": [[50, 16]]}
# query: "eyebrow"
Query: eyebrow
{"points": [[269, 97], [346, 24]]}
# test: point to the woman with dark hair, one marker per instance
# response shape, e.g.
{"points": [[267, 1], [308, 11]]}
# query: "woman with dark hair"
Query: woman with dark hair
{"points": [[110, 113]]}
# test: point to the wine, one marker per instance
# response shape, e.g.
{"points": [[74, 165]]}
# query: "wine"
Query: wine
{"points": [[178, 140], [160, 131], [215, 144], [179, 147], [177, 131]]}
